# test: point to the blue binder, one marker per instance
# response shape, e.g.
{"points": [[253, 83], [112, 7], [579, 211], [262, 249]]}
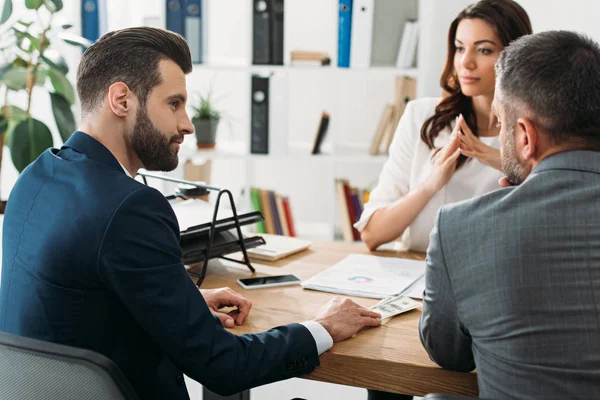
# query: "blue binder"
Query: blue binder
{"points": [[192, 28], [175, 16], [90, 20], [344, 32]]}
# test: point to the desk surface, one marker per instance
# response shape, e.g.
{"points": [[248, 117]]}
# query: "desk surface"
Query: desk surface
{"points": [[389, 358]]}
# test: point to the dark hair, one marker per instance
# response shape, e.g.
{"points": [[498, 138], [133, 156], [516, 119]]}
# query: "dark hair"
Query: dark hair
{"points": [[510, 21], [554, 79], [131, 56]]}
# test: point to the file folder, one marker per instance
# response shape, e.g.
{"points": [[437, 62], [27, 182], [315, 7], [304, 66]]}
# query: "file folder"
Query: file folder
{"points": [[90, 20], [261, 32], [259, 115], [277, 9], [175, 16], [192, 28], [344, 32], [362, 33]]}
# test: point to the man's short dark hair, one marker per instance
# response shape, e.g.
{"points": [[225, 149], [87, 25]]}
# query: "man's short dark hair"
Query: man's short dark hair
{"points": [[553, 78], [130, 56]]}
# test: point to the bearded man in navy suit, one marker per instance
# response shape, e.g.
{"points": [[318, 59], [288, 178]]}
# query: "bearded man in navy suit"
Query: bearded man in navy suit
{"points": [[91, 257]]}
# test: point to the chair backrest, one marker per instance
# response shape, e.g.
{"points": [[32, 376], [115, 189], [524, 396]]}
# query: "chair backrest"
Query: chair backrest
{"points": [[34, 369]]}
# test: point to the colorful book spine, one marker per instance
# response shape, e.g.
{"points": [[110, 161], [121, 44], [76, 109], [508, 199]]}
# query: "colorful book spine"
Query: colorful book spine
{"points": [[288, 216], [255, 199], [275, 213]]}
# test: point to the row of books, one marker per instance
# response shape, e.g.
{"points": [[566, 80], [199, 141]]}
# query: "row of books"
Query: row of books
{"points": [[405, 91], [276, 211], [370, 32], [382, 32], [351, 201]]}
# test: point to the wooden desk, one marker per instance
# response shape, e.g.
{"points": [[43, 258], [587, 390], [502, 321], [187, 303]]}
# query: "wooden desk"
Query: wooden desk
{"points": [[389, 358]]}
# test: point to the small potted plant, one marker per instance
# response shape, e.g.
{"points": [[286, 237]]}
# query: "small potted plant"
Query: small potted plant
{"points": [[206, 120]]}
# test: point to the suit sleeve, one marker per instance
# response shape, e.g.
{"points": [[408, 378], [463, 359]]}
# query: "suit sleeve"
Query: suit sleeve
{"points": [[140, 261], [446, 340]]}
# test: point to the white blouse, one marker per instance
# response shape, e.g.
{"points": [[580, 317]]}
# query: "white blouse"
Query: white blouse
{"points": [[409, 165]]}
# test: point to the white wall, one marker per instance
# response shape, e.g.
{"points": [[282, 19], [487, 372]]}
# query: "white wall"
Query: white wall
{"points": [[576, 15]]}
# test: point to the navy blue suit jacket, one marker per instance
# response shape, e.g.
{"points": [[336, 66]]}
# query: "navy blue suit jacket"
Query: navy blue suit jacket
{"points": [[91, 259]]}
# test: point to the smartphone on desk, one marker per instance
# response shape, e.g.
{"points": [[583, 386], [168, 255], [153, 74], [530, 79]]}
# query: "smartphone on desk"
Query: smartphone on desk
{"points": [[269, 281]]}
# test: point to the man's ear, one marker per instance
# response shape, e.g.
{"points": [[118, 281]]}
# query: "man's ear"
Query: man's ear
{"points": [[120, 99], [526, 138]]}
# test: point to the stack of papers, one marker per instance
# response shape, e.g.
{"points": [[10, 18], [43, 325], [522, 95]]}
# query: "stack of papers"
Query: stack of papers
{"points": [[368, 276], [192, 212]]}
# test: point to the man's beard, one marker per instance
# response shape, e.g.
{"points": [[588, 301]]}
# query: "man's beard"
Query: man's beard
{"points": [[513, 168], [151, 146]]}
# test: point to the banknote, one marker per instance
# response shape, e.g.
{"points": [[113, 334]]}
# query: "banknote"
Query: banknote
{"points": [[394, 305]]}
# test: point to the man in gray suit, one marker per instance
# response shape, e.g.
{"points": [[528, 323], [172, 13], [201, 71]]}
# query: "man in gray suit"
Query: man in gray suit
{"points": [[513, 277]]}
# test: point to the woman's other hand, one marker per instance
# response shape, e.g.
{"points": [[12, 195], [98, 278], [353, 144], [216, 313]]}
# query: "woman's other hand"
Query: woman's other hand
{"points": [[444, 164], [471, 146]]}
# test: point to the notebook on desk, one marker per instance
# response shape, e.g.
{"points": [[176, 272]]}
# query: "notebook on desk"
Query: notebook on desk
{"points": [[278, 247]]}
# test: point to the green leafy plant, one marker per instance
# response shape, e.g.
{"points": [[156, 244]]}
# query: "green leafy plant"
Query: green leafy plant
{"points": [[205, 108], [29, 63]]}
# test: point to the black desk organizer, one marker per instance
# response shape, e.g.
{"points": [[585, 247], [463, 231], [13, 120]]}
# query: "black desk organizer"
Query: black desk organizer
{"points": [[226, 242]]}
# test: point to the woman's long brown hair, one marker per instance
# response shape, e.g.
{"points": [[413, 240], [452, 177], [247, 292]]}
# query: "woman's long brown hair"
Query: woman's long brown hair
{"points": [[510, 21]]}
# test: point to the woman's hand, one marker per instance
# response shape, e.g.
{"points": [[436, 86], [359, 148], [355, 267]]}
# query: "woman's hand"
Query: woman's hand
{"points": [[472, 147], [444, 165]]}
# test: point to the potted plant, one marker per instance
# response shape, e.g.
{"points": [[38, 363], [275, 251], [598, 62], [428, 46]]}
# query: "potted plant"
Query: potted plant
{"points": [[205, 120], [30, 65]]}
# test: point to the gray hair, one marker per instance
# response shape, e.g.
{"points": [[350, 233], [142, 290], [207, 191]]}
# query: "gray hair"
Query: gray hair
{"points": [[553, 78]]}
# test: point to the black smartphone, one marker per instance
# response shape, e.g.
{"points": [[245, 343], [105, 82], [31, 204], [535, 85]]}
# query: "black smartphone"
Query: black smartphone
{"points": [[268, 281]]}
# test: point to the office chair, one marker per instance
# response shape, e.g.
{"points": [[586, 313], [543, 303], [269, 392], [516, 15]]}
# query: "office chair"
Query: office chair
{"points": [[439, 396], [34, 369]]}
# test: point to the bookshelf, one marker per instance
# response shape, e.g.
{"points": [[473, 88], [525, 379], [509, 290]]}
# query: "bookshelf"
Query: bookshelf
{"points": [[354, 97]]}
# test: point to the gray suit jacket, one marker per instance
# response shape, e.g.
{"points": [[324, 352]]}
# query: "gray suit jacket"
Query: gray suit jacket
{"points": [[513, 284]]}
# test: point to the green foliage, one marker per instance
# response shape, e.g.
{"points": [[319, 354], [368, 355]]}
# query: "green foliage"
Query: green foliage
{"points": [[28, 140], [6, 11], [205, 108], [29, 64]]}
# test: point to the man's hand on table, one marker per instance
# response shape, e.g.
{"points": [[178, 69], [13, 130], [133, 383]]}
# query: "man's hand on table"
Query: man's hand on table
{"points": [[343, 318], [225, 297]]}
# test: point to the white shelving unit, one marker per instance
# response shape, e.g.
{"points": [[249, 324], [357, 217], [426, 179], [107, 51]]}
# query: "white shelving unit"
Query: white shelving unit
{"points": [[354, 98]]}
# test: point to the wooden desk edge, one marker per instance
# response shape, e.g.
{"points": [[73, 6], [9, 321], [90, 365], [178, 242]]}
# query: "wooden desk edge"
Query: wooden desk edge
{"points": [[397, 378]]}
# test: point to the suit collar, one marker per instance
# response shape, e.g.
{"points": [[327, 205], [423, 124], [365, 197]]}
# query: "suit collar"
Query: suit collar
{"points": [[577, 160], [85, 144]]}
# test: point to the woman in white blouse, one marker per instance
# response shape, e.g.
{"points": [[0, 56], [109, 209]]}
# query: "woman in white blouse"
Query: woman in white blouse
{"points": [[445, 149]]}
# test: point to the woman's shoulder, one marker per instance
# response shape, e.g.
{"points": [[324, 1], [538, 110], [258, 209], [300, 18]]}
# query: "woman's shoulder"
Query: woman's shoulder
{"points": [[422, 108], [424, 104]]}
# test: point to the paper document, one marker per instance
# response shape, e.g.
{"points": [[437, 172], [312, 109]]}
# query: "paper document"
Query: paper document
{"points": [[194, 212], [367, 276], [416, 289]]}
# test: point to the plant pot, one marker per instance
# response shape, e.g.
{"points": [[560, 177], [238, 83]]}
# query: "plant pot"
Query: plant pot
{"points": [[206, 132]]}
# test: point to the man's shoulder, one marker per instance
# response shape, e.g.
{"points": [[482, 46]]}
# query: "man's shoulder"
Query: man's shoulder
{"points": [[474, 208]]}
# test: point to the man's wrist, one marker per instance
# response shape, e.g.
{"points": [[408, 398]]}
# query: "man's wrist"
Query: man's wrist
{"points": [[320, 334]]}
